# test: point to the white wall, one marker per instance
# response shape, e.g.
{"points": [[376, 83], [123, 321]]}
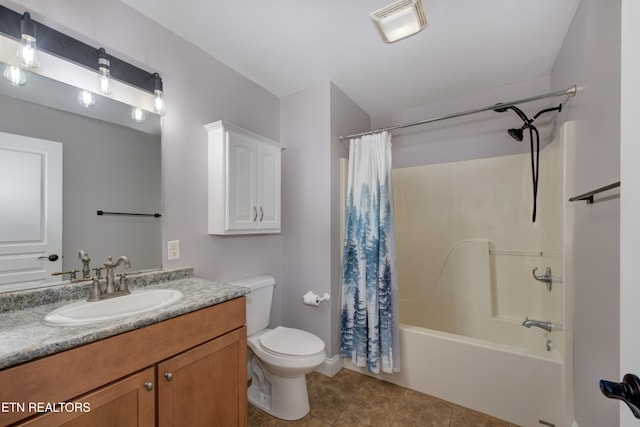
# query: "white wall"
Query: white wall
{"points": [[590, 58], [630, 202], [199, 89]]}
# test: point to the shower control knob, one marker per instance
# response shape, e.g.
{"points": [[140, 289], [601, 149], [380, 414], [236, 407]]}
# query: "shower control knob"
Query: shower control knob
{"points": [[628, 391]]}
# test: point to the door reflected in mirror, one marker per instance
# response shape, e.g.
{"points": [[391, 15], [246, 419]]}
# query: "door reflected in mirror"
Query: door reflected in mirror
{"points": [[108, 163]]}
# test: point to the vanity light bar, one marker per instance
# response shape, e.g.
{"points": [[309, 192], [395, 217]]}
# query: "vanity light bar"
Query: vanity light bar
{"points": [[59, 44]]}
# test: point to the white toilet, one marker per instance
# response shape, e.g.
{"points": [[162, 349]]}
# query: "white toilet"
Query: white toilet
{"points": [[279, 358]]}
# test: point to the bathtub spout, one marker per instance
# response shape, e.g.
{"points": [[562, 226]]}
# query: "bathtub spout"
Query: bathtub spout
{"points": [[547, 326]]}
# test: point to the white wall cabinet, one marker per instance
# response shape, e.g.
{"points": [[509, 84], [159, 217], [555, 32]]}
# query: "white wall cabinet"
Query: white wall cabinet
{"points": [[244, 181]]}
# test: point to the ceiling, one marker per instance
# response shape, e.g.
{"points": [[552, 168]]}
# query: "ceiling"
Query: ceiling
{"points": [[289, 45]]}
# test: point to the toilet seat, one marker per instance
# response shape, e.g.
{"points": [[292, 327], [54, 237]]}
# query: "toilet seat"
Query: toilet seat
{"points": [[291, 342]]}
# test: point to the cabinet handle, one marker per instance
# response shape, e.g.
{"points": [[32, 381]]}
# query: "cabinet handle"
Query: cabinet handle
{"points": [[255, 214], [261, 214], [148, 385], [168, 376]]}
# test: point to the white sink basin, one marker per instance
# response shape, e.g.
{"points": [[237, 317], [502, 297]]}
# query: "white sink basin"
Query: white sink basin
{"points": [[137, 302]]}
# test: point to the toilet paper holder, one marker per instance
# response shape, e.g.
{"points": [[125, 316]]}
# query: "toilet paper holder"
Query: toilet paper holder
{"points": [[313, 299]]}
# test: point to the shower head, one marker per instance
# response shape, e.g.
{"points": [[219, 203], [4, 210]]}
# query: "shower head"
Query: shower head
{"points": [[518, 111], [517, 134]]}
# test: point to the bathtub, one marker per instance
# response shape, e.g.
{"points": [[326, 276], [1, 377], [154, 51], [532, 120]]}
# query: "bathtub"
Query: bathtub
{"points": [[477, 358], [466, 248], [506, 382]]}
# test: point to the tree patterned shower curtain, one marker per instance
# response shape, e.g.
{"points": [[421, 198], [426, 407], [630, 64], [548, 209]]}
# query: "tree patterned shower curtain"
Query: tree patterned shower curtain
{"points": [[369, 334]]}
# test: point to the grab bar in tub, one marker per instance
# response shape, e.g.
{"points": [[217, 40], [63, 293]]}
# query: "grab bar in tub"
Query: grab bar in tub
{"points": [[589, 195]]}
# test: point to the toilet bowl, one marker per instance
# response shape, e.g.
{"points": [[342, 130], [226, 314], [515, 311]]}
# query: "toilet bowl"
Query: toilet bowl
{"points": [[285, 356], [278, 358]]}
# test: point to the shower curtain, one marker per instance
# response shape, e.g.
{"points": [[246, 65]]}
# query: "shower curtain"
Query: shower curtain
{"points": [[369, 334]]}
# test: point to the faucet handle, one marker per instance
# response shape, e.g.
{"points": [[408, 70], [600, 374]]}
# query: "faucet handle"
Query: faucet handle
{"points": [[96, 291], [545, 278], [123, 284]]}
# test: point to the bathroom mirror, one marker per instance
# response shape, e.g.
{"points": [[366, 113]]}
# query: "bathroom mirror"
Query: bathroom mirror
{"points": [[109, 163]]}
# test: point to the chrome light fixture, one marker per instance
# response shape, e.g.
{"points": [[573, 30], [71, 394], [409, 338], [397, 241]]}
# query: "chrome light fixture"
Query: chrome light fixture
{"points": [[14, 75], [104, 67], [27, 51], [159, 105], [399, 20]]}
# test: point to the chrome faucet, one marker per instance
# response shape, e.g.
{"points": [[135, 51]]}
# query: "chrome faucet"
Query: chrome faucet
{"points": [[547, 326], [110, 265]]}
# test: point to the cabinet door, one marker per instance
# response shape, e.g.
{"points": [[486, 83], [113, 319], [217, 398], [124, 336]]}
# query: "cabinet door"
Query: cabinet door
{"points": [[205, 386], [268, 183], [242, 210], [128, 402]]}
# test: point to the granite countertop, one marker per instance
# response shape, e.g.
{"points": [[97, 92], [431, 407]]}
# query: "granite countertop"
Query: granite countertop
{"points": [[24, 336]]}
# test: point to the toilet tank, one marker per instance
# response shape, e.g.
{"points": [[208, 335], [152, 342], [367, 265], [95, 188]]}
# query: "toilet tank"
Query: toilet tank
{"points": [[258, 301]]}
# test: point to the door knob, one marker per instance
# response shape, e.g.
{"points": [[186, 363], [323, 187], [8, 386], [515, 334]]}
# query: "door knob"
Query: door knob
{"points": [[628, 391], [52, 257]]}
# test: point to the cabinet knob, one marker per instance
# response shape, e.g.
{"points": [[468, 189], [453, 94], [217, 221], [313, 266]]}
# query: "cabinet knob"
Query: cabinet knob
{"points": [[148, 385], [168, 376]]}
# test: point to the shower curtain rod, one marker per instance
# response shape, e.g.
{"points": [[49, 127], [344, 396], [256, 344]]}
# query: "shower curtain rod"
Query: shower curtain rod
{"points": [[567, 92]]}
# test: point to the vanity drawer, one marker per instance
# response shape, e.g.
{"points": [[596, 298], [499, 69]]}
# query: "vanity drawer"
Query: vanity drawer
{"points": [[71, 373]]}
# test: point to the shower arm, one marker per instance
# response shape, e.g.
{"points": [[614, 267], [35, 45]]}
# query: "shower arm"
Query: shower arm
{"points": [[567, 92]]}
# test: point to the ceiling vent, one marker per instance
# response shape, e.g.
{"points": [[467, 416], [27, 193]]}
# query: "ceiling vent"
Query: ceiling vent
{"points": [[399, 20]]}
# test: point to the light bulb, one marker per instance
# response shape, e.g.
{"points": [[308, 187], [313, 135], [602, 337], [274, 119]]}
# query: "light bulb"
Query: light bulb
{"points": [[28, 53], [104, 66], [138, 115], [27, 50], [105, 81], [159, 105], [86, 98], [15, 75]]}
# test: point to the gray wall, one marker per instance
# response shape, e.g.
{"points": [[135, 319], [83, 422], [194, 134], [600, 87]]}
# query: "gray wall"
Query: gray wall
{"points": [[590, 57], [470, 137], [106, 167], [311, 122], [199, 89], [306, 239], [347, 118]]}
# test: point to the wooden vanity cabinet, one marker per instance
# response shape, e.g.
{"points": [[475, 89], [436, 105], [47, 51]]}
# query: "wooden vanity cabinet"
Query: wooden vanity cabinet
{"points": [[128, 402], [201, 386], [185, 371]]}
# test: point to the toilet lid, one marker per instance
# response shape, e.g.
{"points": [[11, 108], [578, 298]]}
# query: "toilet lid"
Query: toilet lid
{"points": [[290, 341]]}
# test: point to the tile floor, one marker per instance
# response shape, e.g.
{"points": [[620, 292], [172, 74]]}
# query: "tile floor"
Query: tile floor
{"points": [[351, 399]]}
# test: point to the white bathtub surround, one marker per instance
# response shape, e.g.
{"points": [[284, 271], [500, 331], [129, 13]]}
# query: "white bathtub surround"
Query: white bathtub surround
{"points": [[466, 252], [369, 334]]}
